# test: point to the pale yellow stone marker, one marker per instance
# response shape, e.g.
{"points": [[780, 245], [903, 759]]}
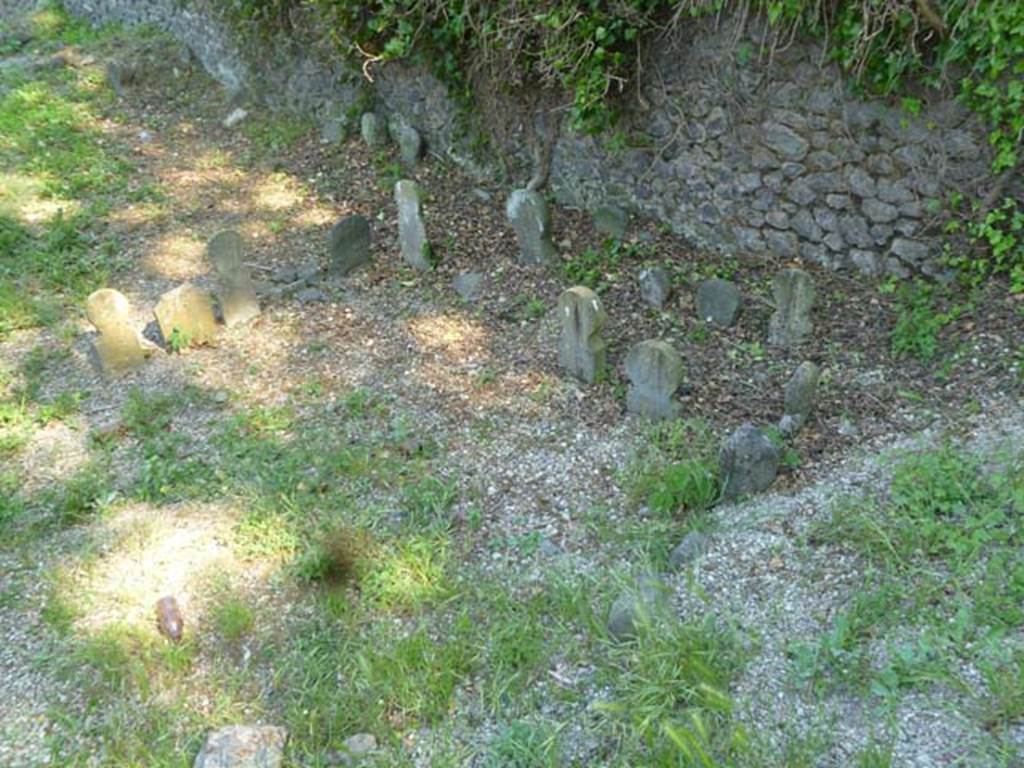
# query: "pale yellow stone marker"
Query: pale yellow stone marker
{"points": [[119, 346], [185, 317]]}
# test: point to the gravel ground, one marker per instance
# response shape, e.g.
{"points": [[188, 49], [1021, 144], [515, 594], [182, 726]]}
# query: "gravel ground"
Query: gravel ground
{"points": [[759, 573]]}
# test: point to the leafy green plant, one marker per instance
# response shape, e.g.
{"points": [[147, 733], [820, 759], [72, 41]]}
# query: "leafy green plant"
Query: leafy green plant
{"points": [[689, 485], [676, 470], [179, 341], [233, 618], [599, 268], [524, 744], [919, 322]]}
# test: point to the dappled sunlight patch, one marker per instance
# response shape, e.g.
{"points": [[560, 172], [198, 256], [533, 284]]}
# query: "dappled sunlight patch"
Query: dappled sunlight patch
{"points": [[154, 552], [260, 369], [53, 454], [278, 192], [21, 197], [314, 216], [452, 336], [187, 185], [177, 256], [138, 215]]}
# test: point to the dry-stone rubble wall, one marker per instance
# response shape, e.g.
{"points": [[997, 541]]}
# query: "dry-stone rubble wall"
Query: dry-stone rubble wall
{"points": [[736, 153]]}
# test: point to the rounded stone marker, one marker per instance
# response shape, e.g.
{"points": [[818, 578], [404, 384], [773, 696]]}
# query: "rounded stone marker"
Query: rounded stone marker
{"points": [[118, 348], [412, 234], [749, 462], [719, 302], [373, 130], [187, 311], [237, 293], [655, 286], [800, 390], [655, 371], [528, 212]]}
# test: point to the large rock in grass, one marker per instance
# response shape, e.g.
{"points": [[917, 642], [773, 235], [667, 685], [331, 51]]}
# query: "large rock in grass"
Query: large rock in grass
{"points": [[243, 746], [637, 607], [749, 462]]}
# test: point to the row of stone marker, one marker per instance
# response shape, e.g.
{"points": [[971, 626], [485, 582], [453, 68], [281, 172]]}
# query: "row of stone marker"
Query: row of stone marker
{"points": [[654, 368], [750, 458], [185, 315]]}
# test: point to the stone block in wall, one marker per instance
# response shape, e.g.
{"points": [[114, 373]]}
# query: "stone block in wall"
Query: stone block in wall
{"points": [[829, 181], [803, 224], [912, 252], [897, 191], [866, 262], [881, 233], [782, 243], [749, 239], [855, 231], [785, 141], [879, 212], [800, 192]]}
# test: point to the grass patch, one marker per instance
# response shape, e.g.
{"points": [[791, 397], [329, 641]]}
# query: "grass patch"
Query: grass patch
{"points": [[669, 694], [920, 322], [945, 579], [271, 134], [232, 617], [601, 268]]}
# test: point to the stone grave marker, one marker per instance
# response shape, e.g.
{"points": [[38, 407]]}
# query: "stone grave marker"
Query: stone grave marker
{"points": [[718, 302], [528, 212], [655, 371], [412, 235], [119, 347], [469, 285], [237, 295], [655, 286], [348, 244], [611, 220], [581, 349], [409, 141], [799, 398], [373, 130], [185, 316], [794, 293], [749, 462]]}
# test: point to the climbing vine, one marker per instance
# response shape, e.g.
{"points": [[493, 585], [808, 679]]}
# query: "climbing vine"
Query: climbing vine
{"points": [[591, 50]]}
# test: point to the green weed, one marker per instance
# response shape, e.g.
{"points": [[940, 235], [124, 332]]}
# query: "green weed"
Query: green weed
{"points": [[919, 322]]}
